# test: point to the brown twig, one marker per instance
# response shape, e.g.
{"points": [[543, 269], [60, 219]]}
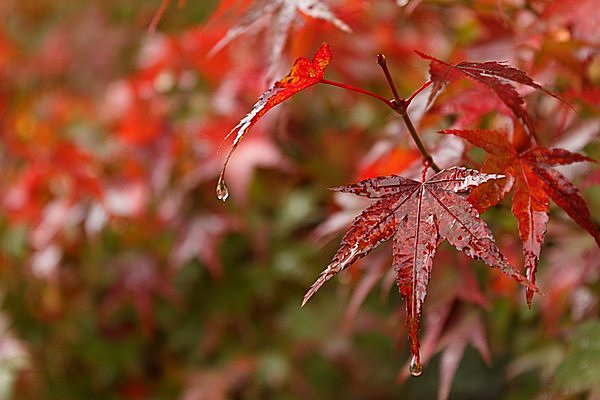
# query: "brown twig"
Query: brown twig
{"points": [[400, 106]]}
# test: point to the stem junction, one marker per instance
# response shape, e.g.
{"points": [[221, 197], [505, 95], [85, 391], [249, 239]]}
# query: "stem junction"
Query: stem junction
{"points": [[397, 104], [400, 106]]}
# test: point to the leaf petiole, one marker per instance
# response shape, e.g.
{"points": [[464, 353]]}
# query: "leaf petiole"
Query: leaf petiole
{"points": [[388, 102], [419, 90], [417, 140], [397, 104]]}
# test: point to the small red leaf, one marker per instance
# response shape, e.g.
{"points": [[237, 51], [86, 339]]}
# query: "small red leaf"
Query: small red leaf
{"points": [[440, 73], [491, 193], [304, 73]]}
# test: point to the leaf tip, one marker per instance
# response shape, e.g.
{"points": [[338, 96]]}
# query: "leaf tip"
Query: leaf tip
{"points": [[313, 289], [323, 56], [305, 300], [330, 271], [529, 298], [530, 287]]}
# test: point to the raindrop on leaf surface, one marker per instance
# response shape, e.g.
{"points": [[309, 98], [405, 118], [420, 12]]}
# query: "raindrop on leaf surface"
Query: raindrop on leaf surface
{"points": [[415, 367]]}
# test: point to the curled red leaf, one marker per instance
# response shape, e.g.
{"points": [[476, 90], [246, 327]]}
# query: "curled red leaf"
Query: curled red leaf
{"points": [[304, 73]]}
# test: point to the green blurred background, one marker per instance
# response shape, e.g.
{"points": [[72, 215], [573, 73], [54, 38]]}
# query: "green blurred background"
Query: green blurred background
{"points": [[123, 277]]}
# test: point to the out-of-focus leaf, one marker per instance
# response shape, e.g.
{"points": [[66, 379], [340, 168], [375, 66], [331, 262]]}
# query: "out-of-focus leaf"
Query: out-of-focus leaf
{"points": [[200, 238], [571, 267], [278, 16], [392, 162], [578, 15], [220, 382], [580, 370], [140, 281]]}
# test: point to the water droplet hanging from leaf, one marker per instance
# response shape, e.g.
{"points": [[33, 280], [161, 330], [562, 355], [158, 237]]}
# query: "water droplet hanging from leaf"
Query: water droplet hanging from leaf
{"points": [[415, 368], [222, 191]]}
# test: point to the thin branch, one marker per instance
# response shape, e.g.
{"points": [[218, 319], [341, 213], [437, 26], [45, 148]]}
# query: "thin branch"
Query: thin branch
{"points": [[383, 64], [417, 140], [157, 16], [400, 106], [397, 104]]}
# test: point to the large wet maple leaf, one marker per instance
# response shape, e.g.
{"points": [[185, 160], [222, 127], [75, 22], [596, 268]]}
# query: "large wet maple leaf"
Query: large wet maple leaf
{"points": [[419, 216], [530, 174], [497, 76], [304, 73]]}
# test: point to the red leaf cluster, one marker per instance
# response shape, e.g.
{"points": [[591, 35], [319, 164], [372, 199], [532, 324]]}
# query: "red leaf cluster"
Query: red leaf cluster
{"points": [[534, 182], [419, 215]]}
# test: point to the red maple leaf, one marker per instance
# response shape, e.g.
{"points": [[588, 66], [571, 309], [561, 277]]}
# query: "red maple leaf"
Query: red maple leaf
{"points": [[494, 75], [530, 174], [419, 215], [304, 73], [139, 283], [469, 106], [278, 18], [395, 159], [579, 16]]}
